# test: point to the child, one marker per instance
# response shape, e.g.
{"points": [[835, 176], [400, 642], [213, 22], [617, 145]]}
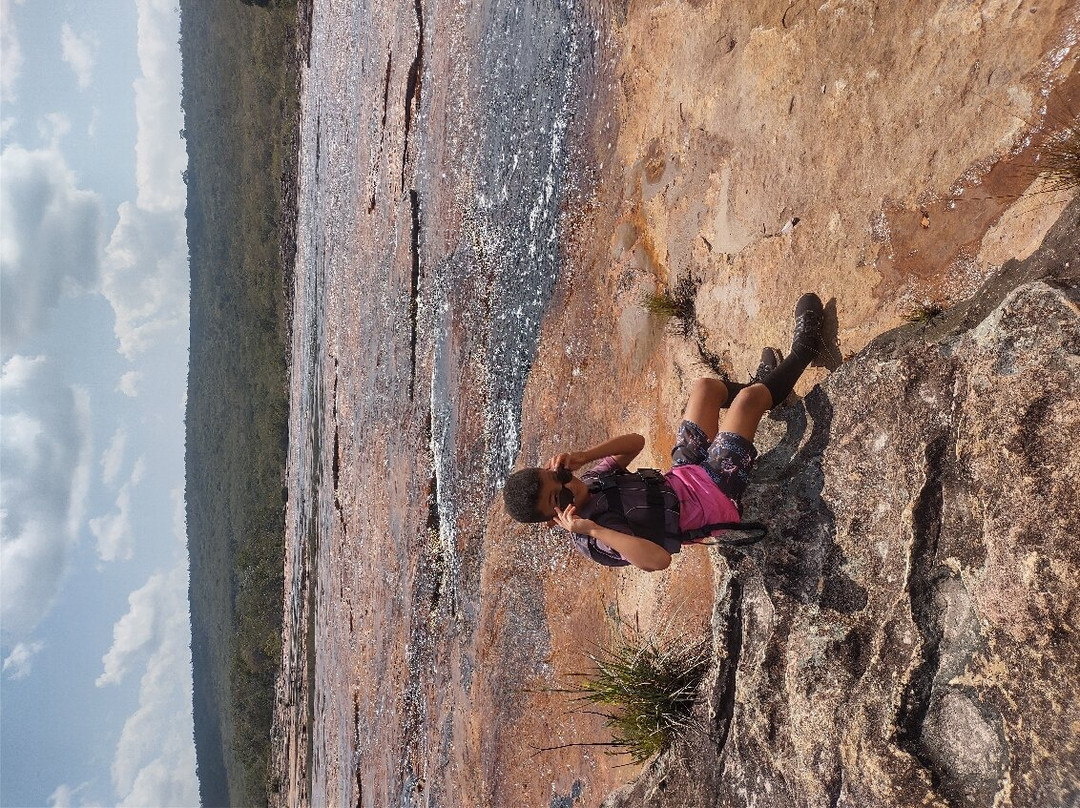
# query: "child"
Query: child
{"points": [[616, 517]]}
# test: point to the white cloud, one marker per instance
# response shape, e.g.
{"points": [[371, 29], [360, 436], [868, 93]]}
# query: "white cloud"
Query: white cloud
{"points": [[145, 267], [17, 665], [179, 515], [63, 797], [145, 277], [147, 610], [45, 475], [95, 117], [113, 457], [49, 239], [67, 797], [52, 127], [116, 541], [160, 158], [80, 52], [50, 236], [10, 52], [155, 756], [129, 383]]}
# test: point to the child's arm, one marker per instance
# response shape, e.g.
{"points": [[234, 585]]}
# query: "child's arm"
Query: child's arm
{"points": [[623, 448], [642, 553]]}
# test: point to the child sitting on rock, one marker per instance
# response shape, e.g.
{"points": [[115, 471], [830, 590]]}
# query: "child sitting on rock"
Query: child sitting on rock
{"points": [[617, 518]]}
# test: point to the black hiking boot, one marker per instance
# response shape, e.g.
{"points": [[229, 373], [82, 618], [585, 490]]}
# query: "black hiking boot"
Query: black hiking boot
{"points": [[770, 358], [807, 343]]}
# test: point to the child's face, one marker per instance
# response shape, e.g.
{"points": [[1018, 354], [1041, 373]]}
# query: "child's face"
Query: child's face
{"points": [[547, 502]]}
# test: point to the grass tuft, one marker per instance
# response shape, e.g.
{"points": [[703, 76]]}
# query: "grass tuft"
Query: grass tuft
{"points": [[924, 311], [1059, 159], [646, 688], [661, 303], [676, 303]]}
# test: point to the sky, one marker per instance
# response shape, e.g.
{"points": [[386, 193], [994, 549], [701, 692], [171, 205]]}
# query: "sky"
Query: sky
{"points": [[95, 687]]}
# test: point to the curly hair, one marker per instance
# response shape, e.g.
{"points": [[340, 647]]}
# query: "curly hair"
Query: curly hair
{"points": [[520, 494]]}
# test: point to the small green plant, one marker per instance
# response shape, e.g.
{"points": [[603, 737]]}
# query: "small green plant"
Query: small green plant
{"points": [[676, 303], [1059, 159], [645, 687], [924, 311], [662, 304]]}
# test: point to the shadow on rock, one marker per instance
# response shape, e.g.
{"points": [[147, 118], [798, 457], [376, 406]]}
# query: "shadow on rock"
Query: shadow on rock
{"points": [[831, 357], [800, 558]]}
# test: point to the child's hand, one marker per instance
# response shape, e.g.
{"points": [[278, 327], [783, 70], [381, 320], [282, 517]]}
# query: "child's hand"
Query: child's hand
{"points": [[569, 520], [569, 460]]}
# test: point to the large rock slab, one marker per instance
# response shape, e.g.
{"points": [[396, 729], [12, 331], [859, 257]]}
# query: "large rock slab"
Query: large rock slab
{"points": [[907, 635]]}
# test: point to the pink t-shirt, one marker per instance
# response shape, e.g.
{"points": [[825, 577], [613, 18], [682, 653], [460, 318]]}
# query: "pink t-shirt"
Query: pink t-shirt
{"points": [[700, 501]]}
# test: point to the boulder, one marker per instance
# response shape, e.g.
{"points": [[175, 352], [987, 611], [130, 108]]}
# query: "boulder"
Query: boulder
{"points": [[907, 635]]}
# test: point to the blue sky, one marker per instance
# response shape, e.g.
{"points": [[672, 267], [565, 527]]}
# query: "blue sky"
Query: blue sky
{"points": [[95, 689]]}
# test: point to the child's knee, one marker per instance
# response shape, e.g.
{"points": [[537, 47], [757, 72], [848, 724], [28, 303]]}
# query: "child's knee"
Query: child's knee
{"points": [[708, 387], [710, 392], [755, 398]]}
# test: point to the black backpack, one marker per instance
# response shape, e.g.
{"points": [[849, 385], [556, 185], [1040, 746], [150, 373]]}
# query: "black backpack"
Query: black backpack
{"points": [[644, 501]]}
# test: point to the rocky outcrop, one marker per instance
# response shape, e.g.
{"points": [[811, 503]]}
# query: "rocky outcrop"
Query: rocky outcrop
{"points": [[607, 150], [908, 634]]}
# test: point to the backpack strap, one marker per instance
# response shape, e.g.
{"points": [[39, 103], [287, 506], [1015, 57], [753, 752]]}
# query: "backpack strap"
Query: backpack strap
{"points": [[753, 532], [654, 498], [653, 527]]}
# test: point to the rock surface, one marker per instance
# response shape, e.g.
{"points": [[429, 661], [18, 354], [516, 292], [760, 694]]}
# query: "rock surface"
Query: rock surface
{"points": [[759, 148], [727, 122], [700, 132], [908, 634]]}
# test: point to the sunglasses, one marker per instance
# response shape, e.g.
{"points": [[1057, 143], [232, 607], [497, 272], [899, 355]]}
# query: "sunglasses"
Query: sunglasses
{"points": [[566, 496]]}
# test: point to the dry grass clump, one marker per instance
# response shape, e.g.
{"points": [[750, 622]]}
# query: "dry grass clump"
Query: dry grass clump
{"points": [[645, 688], [1059, 159], [676, 303], [663, 304], [924, 311]]}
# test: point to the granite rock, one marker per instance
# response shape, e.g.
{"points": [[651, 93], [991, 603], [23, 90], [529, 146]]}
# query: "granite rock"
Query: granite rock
{"points": [[907, 633]]}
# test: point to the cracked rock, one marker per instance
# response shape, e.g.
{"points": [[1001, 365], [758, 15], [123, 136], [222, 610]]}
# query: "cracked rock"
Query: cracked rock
{"points": [[908, 631]]}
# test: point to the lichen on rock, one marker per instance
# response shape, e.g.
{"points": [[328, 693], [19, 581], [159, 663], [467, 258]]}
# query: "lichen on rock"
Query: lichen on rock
{"points": [[907, 634]]}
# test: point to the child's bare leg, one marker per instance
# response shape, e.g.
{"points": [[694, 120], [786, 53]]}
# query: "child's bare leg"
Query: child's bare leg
{"points": [[746, 404], [707, 398], [746, 411]]}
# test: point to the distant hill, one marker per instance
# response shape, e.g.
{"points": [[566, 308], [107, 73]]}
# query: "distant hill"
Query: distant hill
{"points": [[240, 101]]}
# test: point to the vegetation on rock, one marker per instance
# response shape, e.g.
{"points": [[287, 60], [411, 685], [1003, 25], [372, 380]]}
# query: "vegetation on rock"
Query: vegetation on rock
{"points": [[676, 303], [1059, 158], [646, 687], [240, 101], [924, 311]]}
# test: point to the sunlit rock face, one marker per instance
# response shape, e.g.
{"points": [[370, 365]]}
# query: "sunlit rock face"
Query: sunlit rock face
{"points": [[907, 636]]}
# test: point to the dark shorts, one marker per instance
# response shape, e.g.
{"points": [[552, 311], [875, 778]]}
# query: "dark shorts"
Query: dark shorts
{"points": [[728, 459]]}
